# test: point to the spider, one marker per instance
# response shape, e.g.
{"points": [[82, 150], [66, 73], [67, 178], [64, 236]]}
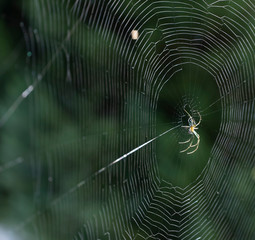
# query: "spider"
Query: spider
{"points": [[192, 127]]}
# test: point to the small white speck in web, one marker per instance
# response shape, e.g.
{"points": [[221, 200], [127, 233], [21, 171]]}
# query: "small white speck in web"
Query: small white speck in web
{"points": [[135, 34]]}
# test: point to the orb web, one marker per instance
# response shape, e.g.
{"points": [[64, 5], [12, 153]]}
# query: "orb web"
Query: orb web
{"points": [[107, 113]]}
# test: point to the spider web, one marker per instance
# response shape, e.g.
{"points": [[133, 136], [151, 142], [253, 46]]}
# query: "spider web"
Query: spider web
{"points": [[106, 117]]}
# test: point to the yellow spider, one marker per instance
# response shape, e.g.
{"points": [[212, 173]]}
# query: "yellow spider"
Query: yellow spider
{"points": [[192, 127]]}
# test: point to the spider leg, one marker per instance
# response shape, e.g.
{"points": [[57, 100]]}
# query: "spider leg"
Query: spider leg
{"points": [[195, 145], [198, 140], [187, 112], [200, 117], [193, 150], [185, 141], [188, 146]]}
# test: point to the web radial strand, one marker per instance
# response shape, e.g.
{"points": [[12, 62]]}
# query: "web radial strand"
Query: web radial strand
{"points": [[95, 97]]}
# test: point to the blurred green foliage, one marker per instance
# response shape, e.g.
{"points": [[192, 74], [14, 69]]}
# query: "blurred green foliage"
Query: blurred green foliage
{"points": [[85, 114]]}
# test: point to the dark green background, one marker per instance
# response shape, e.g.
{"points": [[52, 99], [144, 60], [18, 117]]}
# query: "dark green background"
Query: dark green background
{"points": [[46, 129]]}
